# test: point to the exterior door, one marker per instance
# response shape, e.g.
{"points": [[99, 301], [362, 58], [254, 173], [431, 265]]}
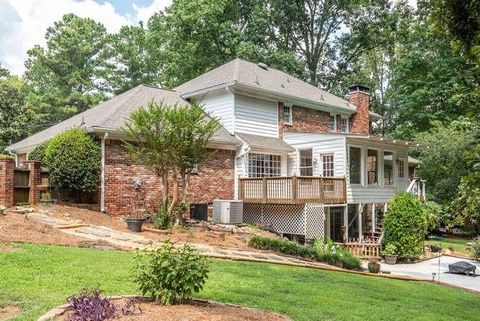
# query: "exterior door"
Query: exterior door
{"points": [[336, 223]]}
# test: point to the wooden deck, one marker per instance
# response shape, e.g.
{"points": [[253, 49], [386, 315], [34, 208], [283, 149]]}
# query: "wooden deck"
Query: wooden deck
{"points": [[293, 190]]}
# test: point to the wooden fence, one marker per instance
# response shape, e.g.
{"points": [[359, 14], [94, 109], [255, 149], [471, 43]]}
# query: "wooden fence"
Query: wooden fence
{"points": [[293, 190], [363, 249], [21, 186]]}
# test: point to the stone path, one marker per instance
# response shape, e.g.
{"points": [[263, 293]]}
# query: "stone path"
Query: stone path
{"points": [[138, 241]]}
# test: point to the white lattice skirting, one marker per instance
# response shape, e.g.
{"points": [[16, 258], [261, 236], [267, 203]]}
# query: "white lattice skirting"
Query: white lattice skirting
{"points": [[307, 220]]}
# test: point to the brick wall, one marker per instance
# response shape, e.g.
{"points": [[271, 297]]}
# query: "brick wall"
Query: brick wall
{"points": [[305, 120], [35, 180], [215, 180], [361, 119], [7, 166]]}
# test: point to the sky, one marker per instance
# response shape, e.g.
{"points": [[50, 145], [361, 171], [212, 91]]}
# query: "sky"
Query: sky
{"points": [[23, 23]]}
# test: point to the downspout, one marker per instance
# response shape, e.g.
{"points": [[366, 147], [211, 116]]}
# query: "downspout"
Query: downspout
{"points": [[102, 180]]}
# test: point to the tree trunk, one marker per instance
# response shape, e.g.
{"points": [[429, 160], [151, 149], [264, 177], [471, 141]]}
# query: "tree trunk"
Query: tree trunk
{"points": [[174, 197]]}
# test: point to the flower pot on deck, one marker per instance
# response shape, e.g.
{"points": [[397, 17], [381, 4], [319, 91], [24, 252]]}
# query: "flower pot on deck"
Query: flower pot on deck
{"points": [[391, 259], [134, 224]]}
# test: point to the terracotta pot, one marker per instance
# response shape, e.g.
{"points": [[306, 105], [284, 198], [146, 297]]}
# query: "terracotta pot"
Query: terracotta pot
{"points": [[391, 259], [373, 267]]}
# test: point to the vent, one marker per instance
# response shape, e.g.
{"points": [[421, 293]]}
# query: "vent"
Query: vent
{"points": [[262, 65]]}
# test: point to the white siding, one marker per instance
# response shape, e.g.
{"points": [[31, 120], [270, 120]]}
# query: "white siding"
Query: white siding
{"points": [[220, 104], [256, 116], [320, 144]]}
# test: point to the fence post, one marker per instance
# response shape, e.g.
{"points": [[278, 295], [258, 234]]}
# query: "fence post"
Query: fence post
{"points": [[294, 189], [35, 181], [264, 188], [7, 166]]}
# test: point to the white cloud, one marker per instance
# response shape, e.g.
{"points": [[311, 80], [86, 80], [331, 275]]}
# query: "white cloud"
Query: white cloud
{"points": [[23, 24]]}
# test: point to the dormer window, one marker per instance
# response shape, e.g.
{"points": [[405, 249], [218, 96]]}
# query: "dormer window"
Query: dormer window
{"points": [[333, 123], [287, 114]]}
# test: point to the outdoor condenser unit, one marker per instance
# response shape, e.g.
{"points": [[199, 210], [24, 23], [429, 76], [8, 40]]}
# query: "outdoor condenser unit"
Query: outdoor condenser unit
{"points": [[228, 211]]}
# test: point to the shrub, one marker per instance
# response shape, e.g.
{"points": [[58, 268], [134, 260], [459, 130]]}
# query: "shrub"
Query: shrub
{"points": [[474, 247], [170, 274], [91, 306], [405, 225], [390, 249], [433, 214], [320, 252], [435, 248], [73, 160], [38, 153], [163, 219]]}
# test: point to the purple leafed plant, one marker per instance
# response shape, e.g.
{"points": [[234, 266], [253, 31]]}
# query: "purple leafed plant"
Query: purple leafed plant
{"points": [[90, 306]]}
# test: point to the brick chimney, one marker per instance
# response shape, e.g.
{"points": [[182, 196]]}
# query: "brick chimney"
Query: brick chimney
{"points": [[360, 98]]}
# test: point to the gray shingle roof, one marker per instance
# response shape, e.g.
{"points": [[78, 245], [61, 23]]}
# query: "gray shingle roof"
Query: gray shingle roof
{"points": [[112, 114], [245, 73], [256, 141]]}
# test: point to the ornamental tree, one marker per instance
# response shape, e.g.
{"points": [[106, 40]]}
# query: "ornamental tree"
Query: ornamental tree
{"points": [[171, 141], [405, 224], [73, 161]]}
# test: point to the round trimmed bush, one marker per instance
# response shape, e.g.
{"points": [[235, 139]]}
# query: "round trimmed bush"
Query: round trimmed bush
{"points": [[405, 225], [73, 161]]}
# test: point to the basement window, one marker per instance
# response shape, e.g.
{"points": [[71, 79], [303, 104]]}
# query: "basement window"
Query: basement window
{"points": [[264, 165]]}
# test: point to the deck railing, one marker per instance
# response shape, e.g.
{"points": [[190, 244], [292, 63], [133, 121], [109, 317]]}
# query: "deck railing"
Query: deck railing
{"points": [[293, 190]]}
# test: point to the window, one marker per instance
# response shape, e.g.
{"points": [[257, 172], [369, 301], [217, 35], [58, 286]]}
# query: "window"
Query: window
{"points": [[387, 168], [333, 123], [344, 125], [401, 168], [372, 166], [355, 165], [287, 114], [306, 162], [327, 165], [260, 165]]}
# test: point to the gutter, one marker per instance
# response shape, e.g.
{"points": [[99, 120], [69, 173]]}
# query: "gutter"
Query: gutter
{"points": [[102, 181]]}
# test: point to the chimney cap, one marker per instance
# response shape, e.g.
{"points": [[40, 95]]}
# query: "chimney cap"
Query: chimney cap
{"points": [[354, 88]]}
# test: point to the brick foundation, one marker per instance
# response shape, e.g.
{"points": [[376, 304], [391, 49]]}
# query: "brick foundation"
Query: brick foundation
{"points": [[214, 180], [7, 166]]}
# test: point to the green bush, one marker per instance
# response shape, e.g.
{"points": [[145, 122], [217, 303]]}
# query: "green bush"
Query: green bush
{"points": [[329, 253], [38, 153], [73, 160], [433, 214], [170, 274], [163, 219], [474, 247], [405, 225]]}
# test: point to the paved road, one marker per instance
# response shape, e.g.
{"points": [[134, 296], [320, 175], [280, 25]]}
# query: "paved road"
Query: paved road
{"points": [[426, 268]]}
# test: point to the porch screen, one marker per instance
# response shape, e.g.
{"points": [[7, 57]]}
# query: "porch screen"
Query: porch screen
{"points": [[372, 166], [355, 163], [264, 165], [388, 168]]}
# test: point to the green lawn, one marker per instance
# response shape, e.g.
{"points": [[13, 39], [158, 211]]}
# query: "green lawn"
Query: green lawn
{"points": [[455, 244], [41, 277]]}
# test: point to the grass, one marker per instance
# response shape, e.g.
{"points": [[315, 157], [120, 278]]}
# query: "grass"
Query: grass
{"points": [[455, 244], [40, 277]]}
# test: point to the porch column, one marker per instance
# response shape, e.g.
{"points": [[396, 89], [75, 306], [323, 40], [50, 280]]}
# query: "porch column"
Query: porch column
{"points": [[345, 223], [374, 219], [360, 228]]}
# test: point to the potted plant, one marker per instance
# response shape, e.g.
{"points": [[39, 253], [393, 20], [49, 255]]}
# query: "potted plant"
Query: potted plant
{"points": [[373, 266], [389, 254], [135, 220]]}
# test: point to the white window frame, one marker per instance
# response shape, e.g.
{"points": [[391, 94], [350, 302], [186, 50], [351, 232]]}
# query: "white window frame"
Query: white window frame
{"points": [[344, 126], [300, 167], [287, 116], [332, 163], [378, 166], [333, 125], [267, 171], [400, 167]]}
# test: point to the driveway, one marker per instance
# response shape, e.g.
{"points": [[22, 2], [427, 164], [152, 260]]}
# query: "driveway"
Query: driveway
{"points": [[426, 268]]}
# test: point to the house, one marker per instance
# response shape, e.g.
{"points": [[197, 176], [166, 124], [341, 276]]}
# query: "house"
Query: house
{"points": [[302, 160]]}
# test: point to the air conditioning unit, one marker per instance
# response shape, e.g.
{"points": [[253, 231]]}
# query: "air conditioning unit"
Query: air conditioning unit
{"points": [[228, 211]]}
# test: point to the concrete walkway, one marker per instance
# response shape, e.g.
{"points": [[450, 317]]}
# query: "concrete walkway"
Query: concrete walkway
{"points": [[439, 266], [138, 241]]}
